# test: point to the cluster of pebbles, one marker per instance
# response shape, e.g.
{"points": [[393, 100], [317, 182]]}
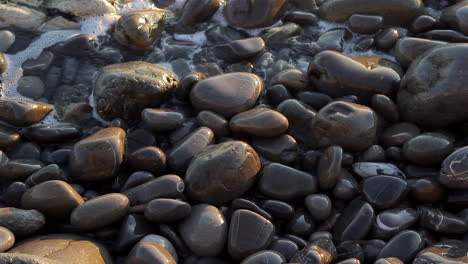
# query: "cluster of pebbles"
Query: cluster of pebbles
{"points": [[237, 131]]}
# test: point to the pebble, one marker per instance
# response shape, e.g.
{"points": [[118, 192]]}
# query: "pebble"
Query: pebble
{"points": [[300, 117], [21, 222], [387, 38], [134, 228], [38, 65], [404, 246], [301, 18], [365, 24], [408, 49], [355, 221], [53, 198], [286, 183], [448, 251], [454, 16], [301, 225], [426, 190], [370, 169], [285, 247], [240, 49], [218, 124], [53, 133], [384, 191], [423, 85], [329, 167], [150, 159], [31, 87], [7, 38], [390, 222], [3, 63], [198, 11], [149, 252], [9, 136], [260, 122], [182, 90], [161, 120], [7, 239], [135, 179], [205, 230], [293, 79], [351, 126], [277, 94], [282, 149], [398, 134], [164, 242], [354, 78], [383, 105], [116, 83], [222, 172], [22, 113], [167, 186], [346, 187], [320, 251], [441, 221], [454, 172], [428, 149], [100, 211], [99, 156], [166, 210], [254, 14], [319, 206], [139, 29], [264, 257], [47, 173], [240, 203], [19, 169], [223, 94], [249, 232], [13, 193], [278, 209], [388, 261]]}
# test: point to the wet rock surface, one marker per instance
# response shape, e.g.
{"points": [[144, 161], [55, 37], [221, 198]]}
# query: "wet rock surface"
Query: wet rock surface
{"points": [[240, 131]]}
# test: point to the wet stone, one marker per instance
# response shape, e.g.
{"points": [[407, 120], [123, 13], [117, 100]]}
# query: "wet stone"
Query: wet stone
{"points": [[351, 126], [139, 29], [426, 190], [26, 151], [278, 209], [198, 11], [150, 159], [166, 210], [248, 233], [346, 187], [115, 86], [50, 172], [370, 169], [261, 122], [38, 65], [222, 172], [7, 38], [240, 49], [205, 230], [407, 49], [3, 63], [218, 124], [21, 222], [264, 257], [383, 105], [320, 251], [254, 14], [31, 87], [53, 133], [354, 78], [365, 24], [448, 251], [349, 249], [301, 18], [441, 221], [293, 79], [240, 203], [389, 260], [301, 224], [23, 113], [314, 99], [160, 120], [404, 246], [167, 186], [164, 242], [399, 133], [222, 94], [454, 172], [282, 149], [384, 191], [428, 149], [107, 146], [390, 222], [149, 252], [134, 227], [9, 136], [12, 195], [374, 153], [423, 23], [285, 247], [285, 183], [100, 211], [387, 38], [182, 90], [19, 169], [355, 221], [7, 239], [329, 167], [53, 198], [455, 16], [319, 206], [300, 117]]}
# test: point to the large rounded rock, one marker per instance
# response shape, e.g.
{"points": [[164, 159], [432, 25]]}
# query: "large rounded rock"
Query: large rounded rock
{"points": [[254, 13], [338, 75], [99, 156], [139, 29], [454, 171], [23, 113], [123, 90], [64, 248], [433, 91], [349, 125], [222, 172], [397, 12], [227, 94], [53, 198], [204, 231]]}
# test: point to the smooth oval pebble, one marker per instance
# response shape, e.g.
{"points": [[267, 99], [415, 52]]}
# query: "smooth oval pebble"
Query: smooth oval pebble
{"points": [[215, 122], [329, 167], [53, 198], [454, 169], [264, 257], [285, 247], [370, 169], [285, 183], [167, 186], [21, 222], [227, 94], [161, 120], [260, 122], [7, 239], [355, 221], [222, 172], [166, 210], [249, 232], [404, 246], [389, 223], [428, 149], [254, 14], [384, 191], [150, 159], [240, 49], [205, 230], [282, 149], [23, 113], [149, 252], [319, 206], [100, 211]]}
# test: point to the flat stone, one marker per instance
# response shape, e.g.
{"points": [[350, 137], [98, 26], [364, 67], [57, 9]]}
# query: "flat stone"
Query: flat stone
{"points": [[398, 12], [351, 126], [222, 172], [53, 133], [218, 124], [99, 156], [365, 24], [261, 122], [23, 113], [21, 222], [167, 186], [282, 149], [441, 221], [19, 169], [254, 14], [285, 183], [370, 169], [161, 120], [293, 79], [205, 230], [329, 167], [198, 11], [131, 87], [53, 198], [100, 211], [249, 232], [384, 191], [166, 210], [227, 94], [354, 78]]}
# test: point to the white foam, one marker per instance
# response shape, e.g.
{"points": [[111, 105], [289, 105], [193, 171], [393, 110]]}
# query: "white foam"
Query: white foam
{"points": [[198, 38], [135, 5], [178, 4]]}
